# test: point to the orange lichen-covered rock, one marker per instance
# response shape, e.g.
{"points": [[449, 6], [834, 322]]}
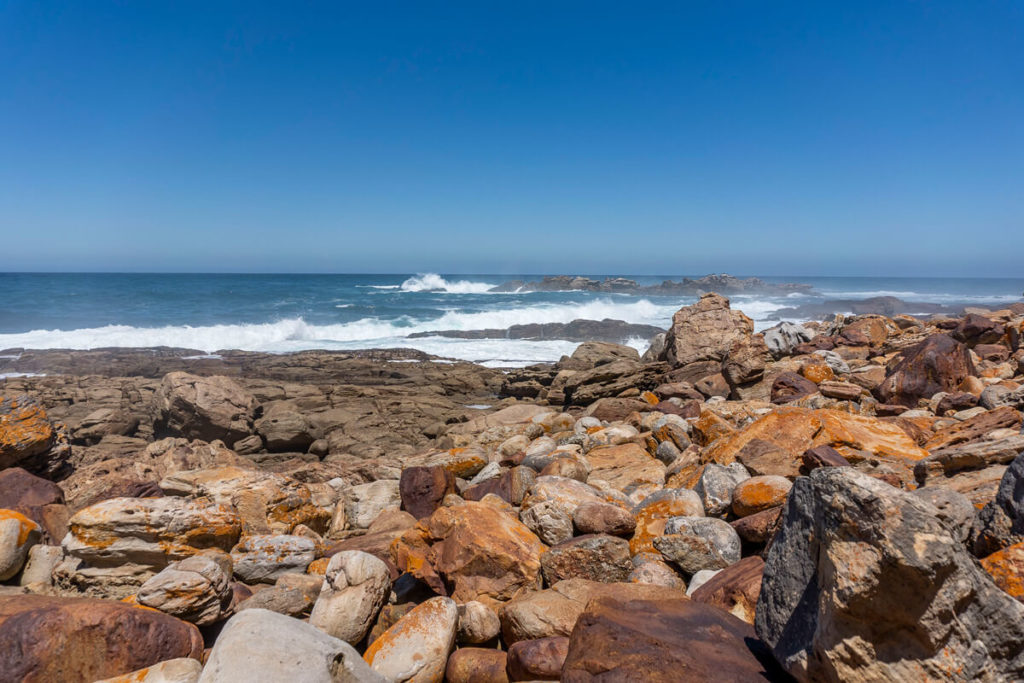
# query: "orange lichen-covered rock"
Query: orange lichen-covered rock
{"points": [[461, 462], [1006, 567], [478, 550], [795, 429], [25, 430], [817, 372], [627, 467], [759, 493], [150, 532], [710, 427], [18, 533], [417, 647], [656, 510]]}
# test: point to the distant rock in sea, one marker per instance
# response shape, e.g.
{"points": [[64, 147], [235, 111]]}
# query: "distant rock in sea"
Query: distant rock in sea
{"points": [[607, 330], [721, 284]]}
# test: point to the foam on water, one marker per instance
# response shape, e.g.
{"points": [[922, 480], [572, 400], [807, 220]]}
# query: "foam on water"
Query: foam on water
{"points": [[432, 282]]}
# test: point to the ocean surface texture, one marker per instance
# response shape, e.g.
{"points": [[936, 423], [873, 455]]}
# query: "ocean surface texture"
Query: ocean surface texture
{"points": [[280, 313]]}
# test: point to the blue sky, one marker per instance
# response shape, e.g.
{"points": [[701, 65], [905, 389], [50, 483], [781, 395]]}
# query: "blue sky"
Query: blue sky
{"points": [[792, 138]]}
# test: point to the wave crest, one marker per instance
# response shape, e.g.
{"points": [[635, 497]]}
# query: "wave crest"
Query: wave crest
{"points": [[432, 282]]}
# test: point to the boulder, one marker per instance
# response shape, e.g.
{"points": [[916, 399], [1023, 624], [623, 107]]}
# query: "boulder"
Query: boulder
{"points": [[627, 468], [716, 485], [705, 331], [206, 408], [264, 558], [285, 431], [863, 582], [746, 362], [260, 646], [597, 557], [196, 589], [734, 589], [478, 623], [654, 512], [477, 665], [423, 488], [416, 649], [355, 587], [1006, 567], [476, 549], [18, 534], [604, 518], [696, 543], [939, 363], [757, 494], [149, 532], [663, 640], [537, 660], [80, 640], [25, 430], [180, 670], [40, 500], [789, 386], [365, 502], [104, 422], [782, 339]]}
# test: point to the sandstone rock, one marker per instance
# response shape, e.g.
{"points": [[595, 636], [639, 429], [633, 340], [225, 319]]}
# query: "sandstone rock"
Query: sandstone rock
{"points": [[696, 543], [734, 589], [416, 649], [648, 570], [285, 431], [597, 557], [716, 485], [365, 502], [603, 518], [355, 587], [939, 363], [196, 589], [180, 670], [477, 623], [206, 408], [75, 640], [474, 548], [149, 532], [25, 430], [512, 485], [759, 457], [537, 660], [290, 602], [260, 646], [664, 640], [104, 422], [423, 488], [975, 428], [746, 361], [18, 534], [628, 468], [549, 521], [705, 331], [843, 391], [759, 493], [264, 558], [822, 456], [758, 528], [39, 566], [477, 665], [863, 582]]}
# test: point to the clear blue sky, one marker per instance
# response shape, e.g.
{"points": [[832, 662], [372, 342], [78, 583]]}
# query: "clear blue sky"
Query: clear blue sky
{"points": [[797, 138]]}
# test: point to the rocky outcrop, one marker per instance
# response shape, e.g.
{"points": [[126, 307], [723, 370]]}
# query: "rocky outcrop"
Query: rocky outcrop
{"points": [[25, 430], [206, 408], [939, 363], [863, 582], [705, 331]]}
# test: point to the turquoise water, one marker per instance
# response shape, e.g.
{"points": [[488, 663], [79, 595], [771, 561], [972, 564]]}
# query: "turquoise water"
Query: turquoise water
{"points": [[281, 313]]}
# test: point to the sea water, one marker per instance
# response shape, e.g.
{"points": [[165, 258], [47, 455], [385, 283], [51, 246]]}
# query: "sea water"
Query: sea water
{"points": [[281, 313]]}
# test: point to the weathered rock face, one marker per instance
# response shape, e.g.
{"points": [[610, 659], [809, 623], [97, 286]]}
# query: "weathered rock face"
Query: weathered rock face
{"points": [[863, 441], [784, 337], [416, 649], [73, 640], [356, 586], [537, 660], [863, 582], [264, 558], [696, 543], [477, 549], [664, 640], [734, 589], [705, 331], [939, 363], [260, 646], [150, 532], [18, 534], [597, 557], [206, 408], [196, 589], [423, 488], [25, 430]]}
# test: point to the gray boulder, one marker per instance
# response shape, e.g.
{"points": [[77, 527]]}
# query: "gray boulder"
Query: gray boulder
{"points": [[784, 337], [696, 543], [864, 582], [260, 646]]}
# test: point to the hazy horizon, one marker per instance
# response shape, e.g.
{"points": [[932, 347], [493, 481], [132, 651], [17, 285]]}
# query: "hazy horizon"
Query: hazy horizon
{"points": [[879, 139]]}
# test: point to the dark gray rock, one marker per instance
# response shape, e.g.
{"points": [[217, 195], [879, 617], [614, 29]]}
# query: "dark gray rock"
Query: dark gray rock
{"points": [[864, 582]]}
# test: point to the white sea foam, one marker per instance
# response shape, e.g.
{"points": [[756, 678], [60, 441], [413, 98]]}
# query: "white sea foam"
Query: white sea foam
{"points": [[295, 334], [926, 297], [432, 282]]}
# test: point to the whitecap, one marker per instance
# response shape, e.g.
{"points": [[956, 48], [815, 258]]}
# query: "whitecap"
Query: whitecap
{"points": [[432, 282]]}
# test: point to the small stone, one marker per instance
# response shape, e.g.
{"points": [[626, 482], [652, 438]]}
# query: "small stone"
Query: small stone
{"points": [[478, 623]]}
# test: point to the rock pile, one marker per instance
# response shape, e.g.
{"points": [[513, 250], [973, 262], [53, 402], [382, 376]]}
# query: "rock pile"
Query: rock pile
{"points": [[828, 501]]}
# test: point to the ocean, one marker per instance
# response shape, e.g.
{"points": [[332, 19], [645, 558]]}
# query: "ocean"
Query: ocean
{"points": [[281, 313]]}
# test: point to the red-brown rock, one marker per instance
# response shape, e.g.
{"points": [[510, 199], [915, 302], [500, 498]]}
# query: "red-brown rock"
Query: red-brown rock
{"points": [[477, 665], [46, 639], [423, 488], [939, 363], [663, 641], [790, 386], [40, 500], [537, 660], [735, 588]]}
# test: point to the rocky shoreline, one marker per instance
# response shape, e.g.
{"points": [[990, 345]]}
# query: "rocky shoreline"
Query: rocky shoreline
{"points": [[837, 500]]}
